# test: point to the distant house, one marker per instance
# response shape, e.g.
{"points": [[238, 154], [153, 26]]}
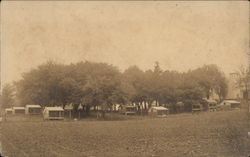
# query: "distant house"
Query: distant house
{"points": [[33, 109], [128, 110], [210, 104], [196, 108], [158, 111], [8, 111], [229, 104], [50, 113], [18, 110]]}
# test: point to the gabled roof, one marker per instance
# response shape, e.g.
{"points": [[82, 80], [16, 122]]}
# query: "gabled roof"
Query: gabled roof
{"points": [[80, 107], [54, 108], [33, 106], [231, 101]]}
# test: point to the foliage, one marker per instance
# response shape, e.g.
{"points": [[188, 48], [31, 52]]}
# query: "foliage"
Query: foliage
{"points": [[101, 84], [7, 96], [243, 80]]}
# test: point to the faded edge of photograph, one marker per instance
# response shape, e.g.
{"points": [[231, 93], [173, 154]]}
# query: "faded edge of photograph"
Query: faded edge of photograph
{"points": [[124, 79]]}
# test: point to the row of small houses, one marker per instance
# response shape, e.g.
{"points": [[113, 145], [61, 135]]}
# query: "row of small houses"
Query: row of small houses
{"points": [[48, 112], [159, 111], [59, 112]]}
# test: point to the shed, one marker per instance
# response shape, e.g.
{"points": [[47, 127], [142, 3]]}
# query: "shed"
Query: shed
{"points": [[196, 108], [18, 110], [158, 111], [8, 111], [128, 110], [50, 113], [229, 104], [33, 109], [211, 104]]}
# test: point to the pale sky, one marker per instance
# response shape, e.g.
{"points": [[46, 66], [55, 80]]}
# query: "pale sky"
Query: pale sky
{"points": [[180, 35]]}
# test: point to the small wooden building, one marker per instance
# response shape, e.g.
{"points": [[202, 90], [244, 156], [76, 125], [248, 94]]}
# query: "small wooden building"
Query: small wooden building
{"points": [[33, 109], [53, 113], [196, 108], [212, 105], [18, 110], [233, 103], [158, 111], [229, 104], [8, 111], [128, 110]]}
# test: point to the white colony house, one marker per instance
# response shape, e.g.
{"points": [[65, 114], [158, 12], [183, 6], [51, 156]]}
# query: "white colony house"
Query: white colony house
{"points": [[8, 111], [158, 111], [18, 110], [33, 109], [230, 104], [50, 113]]}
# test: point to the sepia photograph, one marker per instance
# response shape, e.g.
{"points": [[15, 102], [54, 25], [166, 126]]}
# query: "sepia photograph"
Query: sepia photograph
{"points": [[124, 78]]}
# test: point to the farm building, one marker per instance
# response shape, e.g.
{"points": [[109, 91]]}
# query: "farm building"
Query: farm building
{"points": [[196, 108], [33, 109], [128, 110], [8, 111], [18, 110], [229, 104], [158, 111], [210, 104], [53, 113]]}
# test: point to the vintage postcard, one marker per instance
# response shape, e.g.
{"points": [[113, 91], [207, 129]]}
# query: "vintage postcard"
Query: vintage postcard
{"points": [[125, 79]]}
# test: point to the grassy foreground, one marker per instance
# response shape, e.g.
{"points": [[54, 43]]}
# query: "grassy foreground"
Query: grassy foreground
{"points": [[214, 134]]}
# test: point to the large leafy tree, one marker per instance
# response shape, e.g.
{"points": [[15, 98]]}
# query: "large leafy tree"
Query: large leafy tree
{"points": [[133, 83], [7, 96], [103, 81], [211, 79], [243, 80], [48, 85]]}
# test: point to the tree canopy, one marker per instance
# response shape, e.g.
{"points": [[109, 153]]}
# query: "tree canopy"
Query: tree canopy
{"points": [[98, 84], [7, 96]]}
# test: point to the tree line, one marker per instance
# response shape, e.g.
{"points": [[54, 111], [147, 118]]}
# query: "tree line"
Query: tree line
{"points": [[102, 84]]}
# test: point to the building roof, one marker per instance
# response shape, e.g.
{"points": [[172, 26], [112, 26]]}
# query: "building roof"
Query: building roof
{"points": [[231, 101], [54, 108], [33, 106], [159, 108], [18, 108], [8, 109]]}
